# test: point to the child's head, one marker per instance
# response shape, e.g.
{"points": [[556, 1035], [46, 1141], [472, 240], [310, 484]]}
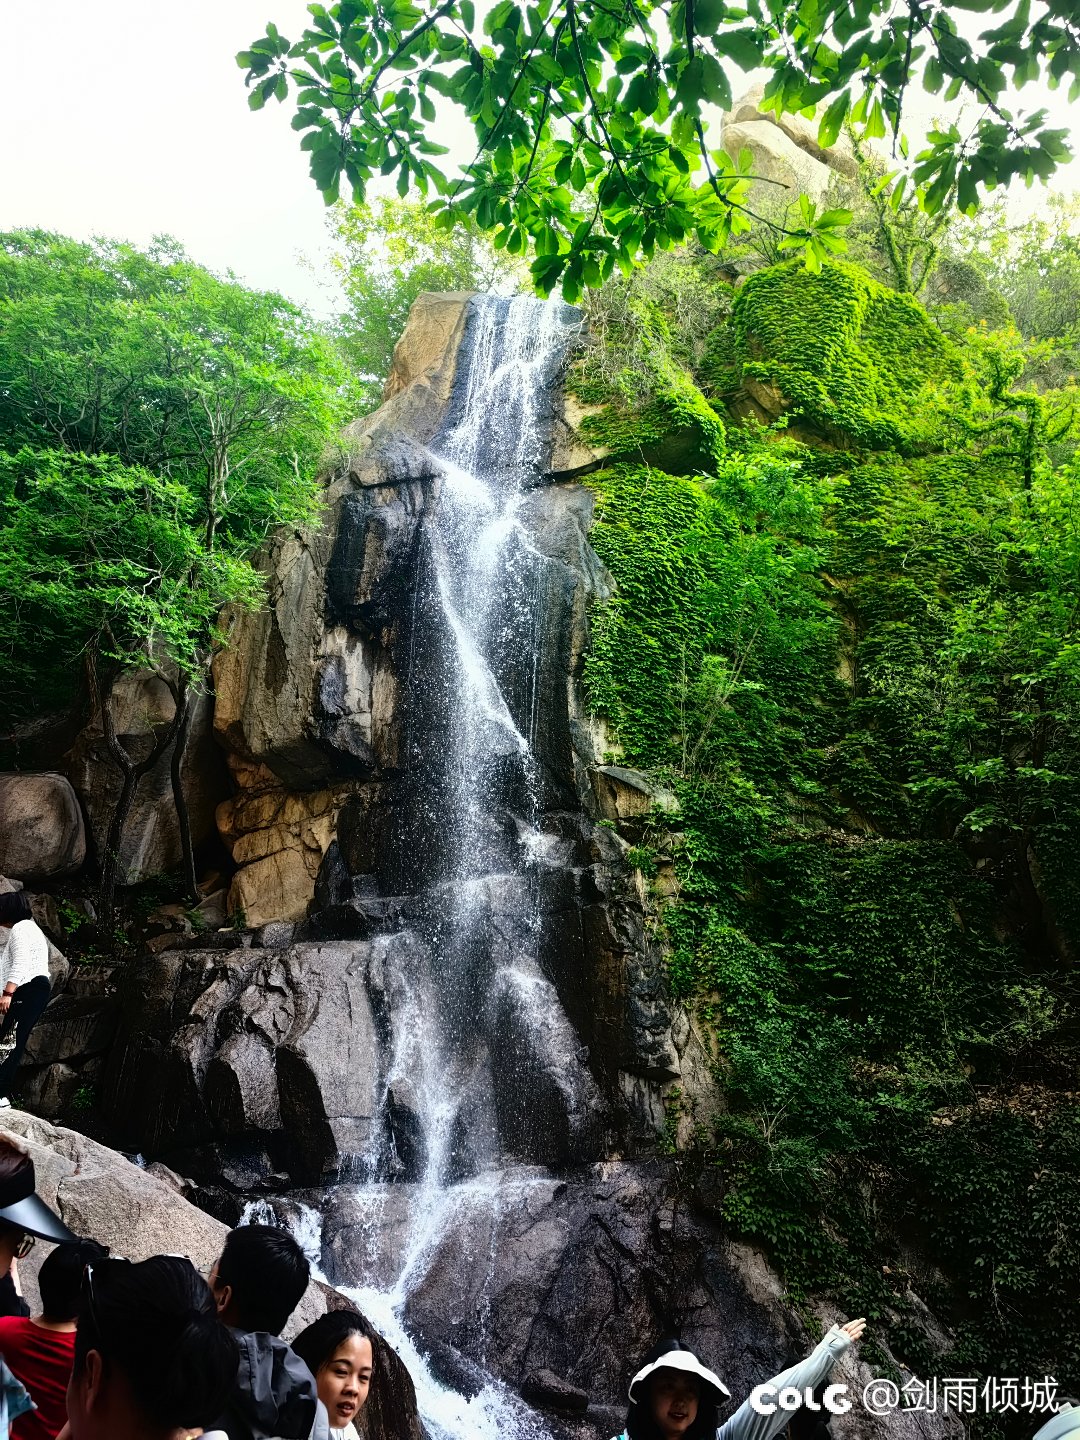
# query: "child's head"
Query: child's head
{"points": [[673, 1396], [339, 1350]]}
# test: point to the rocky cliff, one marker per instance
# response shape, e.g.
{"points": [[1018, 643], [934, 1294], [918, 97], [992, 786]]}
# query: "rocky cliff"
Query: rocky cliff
{"points": [[438, 1032]]}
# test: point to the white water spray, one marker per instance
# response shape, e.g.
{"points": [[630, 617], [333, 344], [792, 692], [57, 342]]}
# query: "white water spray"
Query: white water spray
{"points": [[481, 600]]}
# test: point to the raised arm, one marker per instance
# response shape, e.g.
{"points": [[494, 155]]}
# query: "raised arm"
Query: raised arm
{"points": [[747, 1424]]}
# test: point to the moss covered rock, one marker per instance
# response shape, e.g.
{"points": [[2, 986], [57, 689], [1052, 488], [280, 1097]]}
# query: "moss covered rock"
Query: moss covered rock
{"points": [[863, 364]]}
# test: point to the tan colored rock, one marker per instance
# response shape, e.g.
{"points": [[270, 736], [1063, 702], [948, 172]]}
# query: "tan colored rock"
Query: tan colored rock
{"points": [[278, 838], [41, 826], [783, 169], [799, 128], [389, 447], [571, 453], [427, 350], [623, 794]]}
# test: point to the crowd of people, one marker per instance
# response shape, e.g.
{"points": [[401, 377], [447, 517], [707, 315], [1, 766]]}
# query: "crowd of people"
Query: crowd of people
{"points": [[154, 1350]]}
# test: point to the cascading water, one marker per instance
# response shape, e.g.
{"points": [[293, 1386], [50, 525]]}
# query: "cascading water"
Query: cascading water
{"points": [[460, 1097]]}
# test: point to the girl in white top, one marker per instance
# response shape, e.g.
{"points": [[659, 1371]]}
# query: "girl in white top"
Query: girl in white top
{"points": [[338, 1349], [675, 1397], [24, 982]]}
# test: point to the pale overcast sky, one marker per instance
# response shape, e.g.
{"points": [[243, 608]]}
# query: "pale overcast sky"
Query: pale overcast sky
{"points": [[130, 118]]}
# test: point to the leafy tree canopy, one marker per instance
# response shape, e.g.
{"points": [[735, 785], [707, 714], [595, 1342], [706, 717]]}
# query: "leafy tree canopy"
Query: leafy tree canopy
{"points": [[94, 549], [105, 349], [592, 118], [387, 252]]}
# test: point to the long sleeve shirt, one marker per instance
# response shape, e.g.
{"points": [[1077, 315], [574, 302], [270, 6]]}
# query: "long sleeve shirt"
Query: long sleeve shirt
{"points": [[747, 1424], [25, 956]]}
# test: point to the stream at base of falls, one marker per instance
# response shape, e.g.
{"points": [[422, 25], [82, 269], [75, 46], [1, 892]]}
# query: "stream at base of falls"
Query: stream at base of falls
{"points": [[471, 705]]}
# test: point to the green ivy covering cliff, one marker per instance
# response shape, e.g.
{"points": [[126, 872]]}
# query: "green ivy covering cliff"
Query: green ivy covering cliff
{"points": [[857, 666]]}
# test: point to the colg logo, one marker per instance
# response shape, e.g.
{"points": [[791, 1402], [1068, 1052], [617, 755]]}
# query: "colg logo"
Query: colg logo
{"points": [[767, 1400]]}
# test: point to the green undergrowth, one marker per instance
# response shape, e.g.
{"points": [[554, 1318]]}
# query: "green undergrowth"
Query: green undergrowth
{"points": [[857, 671], [644, 389]]}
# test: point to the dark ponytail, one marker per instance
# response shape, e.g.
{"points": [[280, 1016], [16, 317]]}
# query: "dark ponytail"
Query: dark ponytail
{"points": [[317, 1343], [14, 906], [156, 1322]]}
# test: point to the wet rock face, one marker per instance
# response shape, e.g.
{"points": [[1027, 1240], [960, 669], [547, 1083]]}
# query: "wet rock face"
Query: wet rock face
{"points": [[260, 1062], [558, 1286], [337, 751]]}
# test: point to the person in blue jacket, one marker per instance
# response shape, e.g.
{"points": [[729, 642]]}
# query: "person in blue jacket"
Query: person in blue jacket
{"points": [[674, 1396]]}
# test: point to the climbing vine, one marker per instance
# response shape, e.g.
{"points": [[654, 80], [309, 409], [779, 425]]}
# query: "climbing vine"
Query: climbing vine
{"points": [[856, 663]]}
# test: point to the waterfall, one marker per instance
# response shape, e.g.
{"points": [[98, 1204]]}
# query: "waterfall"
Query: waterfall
{"points": [[471, 1022]]}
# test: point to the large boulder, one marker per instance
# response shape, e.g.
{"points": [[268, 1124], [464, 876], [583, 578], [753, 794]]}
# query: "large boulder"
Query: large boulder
{"points": [[798, 128], [788, 159], [142, 705], [781, 166], [138, 1213], [248, 1065], [42, 835]]}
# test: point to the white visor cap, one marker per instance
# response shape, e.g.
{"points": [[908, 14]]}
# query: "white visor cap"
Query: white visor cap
{"points": [[681, 1360]]}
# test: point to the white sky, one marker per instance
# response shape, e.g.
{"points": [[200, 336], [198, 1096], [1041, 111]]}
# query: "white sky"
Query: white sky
{"points": [[129, 118]]}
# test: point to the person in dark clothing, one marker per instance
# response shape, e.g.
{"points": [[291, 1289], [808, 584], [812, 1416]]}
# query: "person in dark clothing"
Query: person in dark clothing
{"points": [[24, 1218], [257, 1283], [151, 1357], [41, 1351]]}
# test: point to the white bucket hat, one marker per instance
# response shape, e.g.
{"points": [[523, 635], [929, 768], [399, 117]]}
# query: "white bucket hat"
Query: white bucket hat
{"points": [[681, 1360]]}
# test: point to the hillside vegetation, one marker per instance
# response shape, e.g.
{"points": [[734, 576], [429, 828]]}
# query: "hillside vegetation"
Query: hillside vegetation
{"points": [[848, 641]]}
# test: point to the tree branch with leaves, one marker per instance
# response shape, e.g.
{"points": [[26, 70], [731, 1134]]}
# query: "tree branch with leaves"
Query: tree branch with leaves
{"points": [[592, 117]]}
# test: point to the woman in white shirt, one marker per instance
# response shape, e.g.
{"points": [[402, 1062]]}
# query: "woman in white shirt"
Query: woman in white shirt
{"points": [[24, 982], [339, 1351]]}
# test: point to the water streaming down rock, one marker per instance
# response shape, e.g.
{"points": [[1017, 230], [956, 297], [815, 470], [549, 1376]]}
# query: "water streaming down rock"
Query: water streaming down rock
{"points": [[417, 1041], [472, 1027]]}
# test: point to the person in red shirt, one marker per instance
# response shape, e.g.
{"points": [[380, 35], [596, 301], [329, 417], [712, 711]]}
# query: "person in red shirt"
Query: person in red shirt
{"points": [[41, 1351]]}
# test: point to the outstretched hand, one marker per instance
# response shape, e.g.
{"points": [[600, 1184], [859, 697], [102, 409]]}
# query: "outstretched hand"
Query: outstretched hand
{"points": [[853, 1329]]}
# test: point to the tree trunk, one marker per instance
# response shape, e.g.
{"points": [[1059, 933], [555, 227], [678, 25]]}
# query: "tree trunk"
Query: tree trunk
{"points": [[184, 708]]}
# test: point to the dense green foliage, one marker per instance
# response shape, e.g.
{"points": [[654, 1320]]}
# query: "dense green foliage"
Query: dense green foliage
{"points": [[171, 391], [860, 360], [590, 120], [854, 657], [93, 548]]}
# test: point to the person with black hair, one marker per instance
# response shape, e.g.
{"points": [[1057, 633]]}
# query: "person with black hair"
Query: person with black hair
{"points": [[339, 1350], [24, 1219], [257, 1282], [40, 1351], [24, 983], [674, 1396], [152, 1361]]}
